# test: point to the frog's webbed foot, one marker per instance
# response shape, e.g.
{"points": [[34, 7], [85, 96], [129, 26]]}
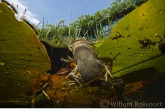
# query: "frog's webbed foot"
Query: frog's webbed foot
{"points": [[73, 76], [69, 83], [69, 59], [108, 71]]}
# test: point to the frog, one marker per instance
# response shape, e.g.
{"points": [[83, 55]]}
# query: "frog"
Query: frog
{"points": [[87, 63]]}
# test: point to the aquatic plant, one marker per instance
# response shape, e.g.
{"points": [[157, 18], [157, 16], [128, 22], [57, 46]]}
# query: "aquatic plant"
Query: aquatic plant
{"points": [[22, 56], [106, 17], [90, 26], [56, 35], [137, 37]]}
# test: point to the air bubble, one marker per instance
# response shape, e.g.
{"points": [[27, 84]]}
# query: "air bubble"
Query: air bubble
{"points": [[21, 58], [156, 34], [2, 63], [7, 73], [3, 39]]}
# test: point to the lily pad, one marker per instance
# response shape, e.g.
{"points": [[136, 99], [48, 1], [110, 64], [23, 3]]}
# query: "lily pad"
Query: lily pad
{"points": [[137, 37], [22, 56]]}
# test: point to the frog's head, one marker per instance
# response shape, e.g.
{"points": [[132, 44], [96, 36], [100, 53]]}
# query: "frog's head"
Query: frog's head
{"points": [[79, 41]]}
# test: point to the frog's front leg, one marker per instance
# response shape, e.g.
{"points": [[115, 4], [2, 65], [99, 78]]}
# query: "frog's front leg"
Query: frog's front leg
{"points": [[106, 68], [74, 76]]}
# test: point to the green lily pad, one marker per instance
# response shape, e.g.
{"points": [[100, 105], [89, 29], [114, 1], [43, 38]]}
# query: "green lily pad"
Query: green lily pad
{"points": [[22, 56], [137, 37]]}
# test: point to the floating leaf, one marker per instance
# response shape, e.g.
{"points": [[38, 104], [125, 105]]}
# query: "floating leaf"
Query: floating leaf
{"points": [[137, 37], [22, 56]]}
